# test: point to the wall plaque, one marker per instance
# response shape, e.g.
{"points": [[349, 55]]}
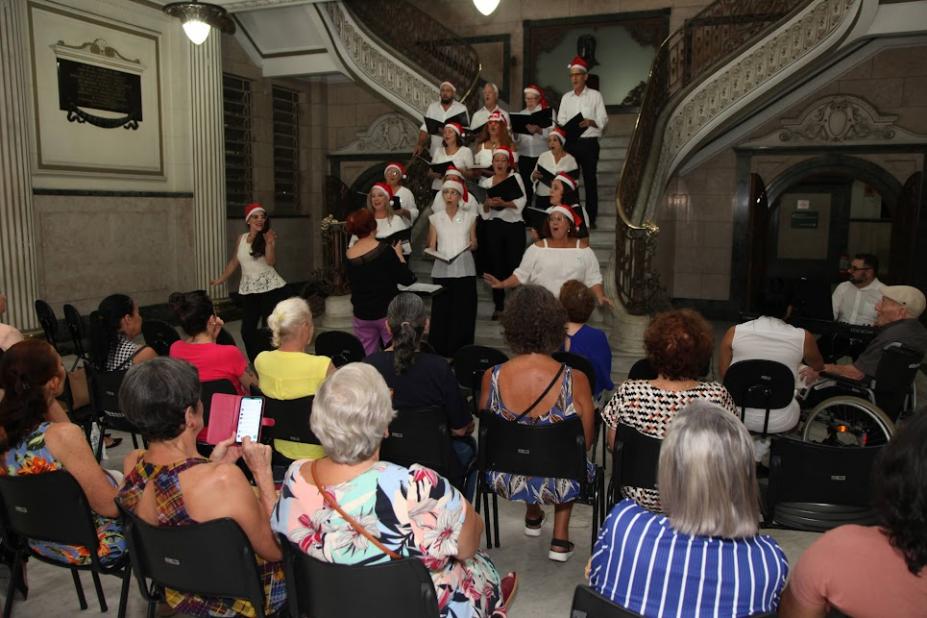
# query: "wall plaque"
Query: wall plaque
{"points": [[82, 85]]}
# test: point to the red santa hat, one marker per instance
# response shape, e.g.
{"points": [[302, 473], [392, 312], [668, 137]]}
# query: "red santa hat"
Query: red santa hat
{"points": [[253, 208], [447, 83], [453, 171], [559, 134], [506, 151], [567, 212], [396, 166], [578, 63], [382, 186], [456, 185], [536, 90], [496, 116], [568, 181], [458, 128]]}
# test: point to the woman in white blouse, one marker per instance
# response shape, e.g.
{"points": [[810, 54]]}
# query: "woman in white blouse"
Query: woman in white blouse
{"points": [[452, 234], [470, 203], [394, 174], [379, 202], [504, 226], [557, 258], [553, 161], [451, 150], [532, 144]]}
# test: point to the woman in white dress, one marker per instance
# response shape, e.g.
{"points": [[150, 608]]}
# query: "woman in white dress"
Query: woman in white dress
{"points": [[451, 150], [553, 161], [452, 233], [261, 286], [394, 174]]}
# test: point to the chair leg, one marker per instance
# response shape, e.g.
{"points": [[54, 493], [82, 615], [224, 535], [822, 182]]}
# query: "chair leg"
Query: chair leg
{"points": [[134, 441], [99, 588], [79, 588], [101, 423], [495, 517], [152, 609], [486, 523], [16, 572], [124, 591]]}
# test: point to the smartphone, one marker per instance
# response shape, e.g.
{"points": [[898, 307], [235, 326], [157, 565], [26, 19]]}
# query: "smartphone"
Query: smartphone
{"points": [[250, 411]]}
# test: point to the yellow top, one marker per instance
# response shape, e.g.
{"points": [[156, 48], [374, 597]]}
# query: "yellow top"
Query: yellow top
{"points": [[291, 375]]}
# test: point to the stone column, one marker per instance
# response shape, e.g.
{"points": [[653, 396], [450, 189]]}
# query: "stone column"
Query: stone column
{"points": [[209, 206], [17, 224]]}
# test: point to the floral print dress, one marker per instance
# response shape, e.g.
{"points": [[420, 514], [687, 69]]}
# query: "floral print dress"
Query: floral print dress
{"points": [[535, 489], [412, 511], [31, 456]]}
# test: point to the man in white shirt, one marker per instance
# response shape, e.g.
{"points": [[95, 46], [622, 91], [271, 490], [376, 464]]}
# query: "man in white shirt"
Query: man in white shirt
{"points": [[441, 111], [589, 103], [533, 144], [854, 301], [490, 105]]}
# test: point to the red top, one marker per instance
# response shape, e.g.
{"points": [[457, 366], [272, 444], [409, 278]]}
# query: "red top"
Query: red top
{"points": [[213, 361]]}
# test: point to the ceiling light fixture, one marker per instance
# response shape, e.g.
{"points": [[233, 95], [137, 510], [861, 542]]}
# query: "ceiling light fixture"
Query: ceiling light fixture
{"points": [[486, 7], [199, 18]]}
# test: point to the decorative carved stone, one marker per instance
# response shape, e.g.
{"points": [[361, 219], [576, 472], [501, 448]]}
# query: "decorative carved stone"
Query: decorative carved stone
{"points": [[390, 133]]}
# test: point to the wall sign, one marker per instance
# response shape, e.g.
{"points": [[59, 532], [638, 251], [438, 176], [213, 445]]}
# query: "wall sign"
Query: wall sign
{"points": [[804, 220], [82, 85]]}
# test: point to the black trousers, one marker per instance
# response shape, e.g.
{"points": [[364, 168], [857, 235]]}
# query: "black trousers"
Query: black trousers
{"points": [[505, 244], [525, 168], [586, 152], [256, 308], [453, 315]]}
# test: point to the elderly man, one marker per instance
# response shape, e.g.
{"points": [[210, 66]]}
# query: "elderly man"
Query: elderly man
{"points": [[589, 103], [897, 316], [490, 105], [445, 110]]}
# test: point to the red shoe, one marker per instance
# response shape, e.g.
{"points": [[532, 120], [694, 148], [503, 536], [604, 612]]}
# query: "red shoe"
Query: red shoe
{"points": [[507, 589]]}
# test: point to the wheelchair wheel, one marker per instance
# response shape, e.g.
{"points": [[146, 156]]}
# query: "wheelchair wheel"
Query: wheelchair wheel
{"points": [[848, 421]]}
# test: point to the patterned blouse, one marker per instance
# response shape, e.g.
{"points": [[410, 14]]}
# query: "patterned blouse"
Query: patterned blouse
{"points": [[648, 409], [121, 353], [412, 511], [31, 456]]}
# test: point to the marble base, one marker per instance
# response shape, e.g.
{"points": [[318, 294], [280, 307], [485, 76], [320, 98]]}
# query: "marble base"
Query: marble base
{"points": [[338, 313]]}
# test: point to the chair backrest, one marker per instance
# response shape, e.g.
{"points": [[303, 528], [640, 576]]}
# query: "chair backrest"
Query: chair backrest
{"points": [[587, 603], [210, 388], [49, 507], [642, 370], [419, 435], [76, 328], [224, 337], [159, 335], [104, 388], [818, 473], [213, 559], [895, 373], [557, 450], [48, 321], [341, 347], [472, 361], [399, 588], [763, 384], [579, 363], [635, 459], [291, 419]]}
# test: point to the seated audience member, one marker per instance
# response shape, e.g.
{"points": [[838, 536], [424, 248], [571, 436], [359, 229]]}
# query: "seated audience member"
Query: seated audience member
{"points": [[585, 340], [9, 335], [351, 508], [769, 338], [37, 437], [897, 321], [704, 556], [419, 379], [170, 484], [533, 389], [199, 321], [854, 301], [289, 372], [113, 329], [871, 572], [679, 345]]}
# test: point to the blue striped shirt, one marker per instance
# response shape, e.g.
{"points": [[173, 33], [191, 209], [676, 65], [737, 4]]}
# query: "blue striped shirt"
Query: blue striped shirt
{"points": [[642, 564]]}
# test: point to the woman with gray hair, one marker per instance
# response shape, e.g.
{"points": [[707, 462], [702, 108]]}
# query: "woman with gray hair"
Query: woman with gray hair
{"points": [[289, 372], [704, 557], [420, 379], [351, 508]]}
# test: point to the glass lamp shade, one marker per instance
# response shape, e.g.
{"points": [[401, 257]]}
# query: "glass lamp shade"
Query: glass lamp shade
{"points": [[486, 7], [197, 31]]}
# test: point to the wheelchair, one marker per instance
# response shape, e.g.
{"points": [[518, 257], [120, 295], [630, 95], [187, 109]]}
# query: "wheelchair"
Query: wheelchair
{"points": [[864, 412]]}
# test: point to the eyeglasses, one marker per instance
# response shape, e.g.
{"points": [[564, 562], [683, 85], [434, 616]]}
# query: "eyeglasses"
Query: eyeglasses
{"points": [[858, 268]]}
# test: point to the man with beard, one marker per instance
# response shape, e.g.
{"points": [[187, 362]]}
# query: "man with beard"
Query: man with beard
{"points": [[441, 112]]}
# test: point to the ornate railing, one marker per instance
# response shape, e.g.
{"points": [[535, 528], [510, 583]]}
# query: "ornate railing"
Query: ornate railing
{"points": [[701, 51]]}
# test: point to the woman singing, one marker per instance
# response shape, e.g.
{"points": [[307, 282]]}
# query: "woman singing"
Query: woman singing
{"points": [[394, 174], [388, 220], [552, 162], [261, 286], [451, 150], [532, 144]]}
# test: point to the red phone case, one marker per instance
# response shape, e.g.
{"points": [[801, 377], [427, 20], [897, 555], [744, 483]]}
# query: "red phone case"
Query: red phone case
{"points": [[223, 418]]}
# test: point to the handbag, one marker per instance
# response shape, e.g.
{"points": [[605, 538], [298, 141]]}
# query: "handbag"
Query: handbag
{"points": [[80, 390]]}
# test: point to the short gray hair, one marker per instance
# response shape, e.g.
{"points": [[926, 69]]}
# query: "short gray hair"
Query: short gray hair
{"points": [[494, 87], [707, 473], [351, 413], [287, 316]]}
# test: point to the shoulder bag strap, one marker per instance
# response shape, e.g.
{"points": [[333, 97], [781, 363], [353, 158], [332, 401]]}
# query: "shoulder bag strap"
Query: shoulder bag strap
{"points": [[329, 499], [542, 395]]}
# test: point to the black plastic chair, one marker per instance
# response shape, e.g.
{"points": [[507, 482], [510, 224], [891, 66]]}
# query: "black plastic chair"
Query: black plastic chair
{"points": [[75, 324], [762, 384], [213, 559], [642, 370], [557, 450], [583, 364], [470, 363], [394, 589], [159, 335], [291, 419], [341, 347], [635, 460], [422, 436], [48, 321], [52, 507], [587, 603], [104, 397], [818, 487]]}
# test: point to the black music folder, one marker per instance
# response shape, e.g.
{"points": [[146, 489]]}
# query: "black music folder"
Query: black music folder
{"points": [[400, 236], [509, 190], [435, 126], [543, 118], [572, 128], [441, 168], [547, 176], [534, 217]]}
